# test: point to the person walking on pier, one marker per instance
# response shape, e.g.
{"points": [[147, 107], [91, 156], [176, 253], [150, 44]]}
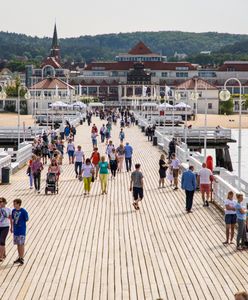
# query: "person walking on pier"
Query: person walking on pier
{"points": [[230, 217], [19, 220], [204, 179], [88, 173], [103, 133], [5, 222], [175, 166], [103, 166], [70, 151], [36, 168], [128, 156], [113, 162], [121, 155], [241, 220], [137, 186], [95, 159], [188, 184], [241, 296], [162, 170], [79, 159], [172, 148], [109, 148], [121, 136]]}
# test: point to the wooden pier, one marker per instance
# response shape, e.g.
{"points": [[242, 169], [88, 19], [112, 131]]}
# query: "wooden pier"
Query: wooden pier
{"points": [[98, 247]]}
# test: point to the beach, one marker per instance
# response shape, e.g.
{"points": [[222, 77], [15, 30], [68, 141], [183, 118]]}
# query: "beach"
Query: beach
{"points": [[11, 119], [230, 121]]}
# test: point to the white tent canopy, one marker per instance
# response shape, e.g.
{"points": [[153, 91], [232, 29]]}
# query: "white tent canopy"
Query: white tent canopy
{"points": [[165, 105], [149, 104], [96, 104], [59, 104], [182, 105], [79, 104]]}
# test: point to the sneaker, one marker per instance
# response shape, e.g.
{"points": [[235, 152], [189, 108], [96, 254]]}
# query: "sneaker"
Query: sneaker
{"points": [[17, 261], [21, 261], [39, 192], [176, 188], [207, 203]]}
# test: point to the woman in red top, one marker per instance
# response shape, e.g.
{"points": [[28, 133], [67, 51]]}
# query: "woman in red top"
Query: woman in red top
{"points": [[95, 159]]}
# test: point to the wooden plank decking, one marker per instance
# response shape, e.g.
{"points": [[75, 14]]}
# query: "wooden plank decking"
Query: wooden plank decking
{"points": [[98, 247]]}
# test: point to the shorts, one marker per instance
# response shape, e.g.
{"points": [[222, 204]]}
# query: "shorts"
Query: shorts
{"points": [[230, 219], [175, 173], [138, 193], [205, 188], [19, 239], [3, 235], [70, 153]]}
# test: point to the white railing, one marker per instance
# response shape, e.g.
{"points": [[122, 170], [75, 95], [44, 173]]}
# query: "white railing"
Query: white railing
{"points": [[24, 154], [220, 189], [199, 132], [5, 161]]}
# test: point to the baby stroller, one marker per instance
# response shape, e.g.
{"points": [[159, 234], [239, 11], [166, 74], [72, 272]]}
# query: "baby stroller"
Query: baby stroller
{"points": [[51, 183]]}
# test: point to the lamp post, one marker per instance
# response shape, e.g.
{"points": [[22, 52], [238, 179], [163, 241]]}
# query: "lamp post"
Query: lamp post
{"points": [[3, 95], [177, 98], [225, 95], [27, 96]]}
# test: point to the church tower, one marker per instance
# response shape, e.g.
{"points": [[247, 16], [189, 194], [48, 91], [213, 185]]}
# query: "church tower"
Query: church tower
{"points": [[55, 50]]}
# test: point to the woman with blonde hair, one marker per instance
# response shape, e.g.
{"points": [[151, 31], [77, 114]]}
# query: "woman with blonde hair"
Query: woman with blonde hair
{"points": [[162, 170], [103, 171], [121, 156], [230, 217]]}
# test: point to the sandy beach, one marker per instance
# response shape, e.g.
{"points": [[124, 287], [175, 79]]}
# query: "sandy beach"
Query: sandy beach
{"points": [[11, 119], [231, 121]]}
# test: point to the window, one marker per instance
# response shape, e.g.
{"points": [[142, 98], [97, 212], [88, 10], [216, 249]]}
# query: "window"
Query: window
{"points": [[182, 68], [164, 74], [153, 74], [210, 105], [182, 74]]}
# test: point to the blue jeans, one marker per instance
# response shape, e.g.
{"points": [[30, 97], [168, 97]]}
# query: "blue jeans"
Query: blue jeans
{"points": [[31, 180], [78, 167]]}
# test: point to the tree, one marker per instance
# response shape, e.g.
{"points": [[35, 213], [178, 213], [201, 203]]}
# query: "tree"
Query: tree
{"points": [[226, 107]]}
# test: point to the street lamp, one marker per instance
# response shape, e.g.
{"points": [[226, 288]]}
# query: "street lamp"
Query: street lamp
{"points": [[225, 95], [3, 95], [177, 98], [27, 96]]}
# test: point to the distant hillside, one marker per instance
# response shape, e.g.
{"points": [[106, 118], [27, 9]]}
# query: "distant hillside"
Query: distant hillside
{"points": [[105, 47], [238, 48]]}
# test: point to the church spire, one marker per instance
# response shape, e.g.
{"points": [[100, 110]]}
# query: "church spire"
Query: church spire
{"points": [[55, 50], [55, 38]]}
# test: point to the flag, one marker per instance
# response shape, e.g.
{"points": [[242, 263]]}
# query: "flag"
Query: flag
{"points": [[56, 91], [144, 90], [167, 90], [155, 92]]}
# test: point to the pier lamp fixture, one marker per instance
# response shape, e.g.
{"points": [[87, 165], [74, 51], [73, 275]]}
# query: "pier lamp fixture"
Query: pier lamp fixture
{"points": [[225, 95], [27, 96], [3, 95], [194, 97], [177, 98]]}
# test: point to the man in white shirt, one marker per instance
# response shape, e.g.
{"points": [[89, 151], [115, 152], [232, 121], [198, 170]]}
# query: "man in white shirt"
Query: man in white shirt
{"points": [[175, 166], [204, 179], [79, 159], [109, 148]]}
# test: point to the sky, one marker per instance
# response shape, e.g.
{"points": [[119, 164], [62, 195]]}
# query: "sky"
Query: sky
{"points": [[80, 17]]}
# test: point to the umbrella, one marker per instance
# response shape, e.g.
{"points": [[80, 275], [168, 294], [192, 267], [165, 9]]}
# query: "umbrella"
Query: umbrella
{"points": [[165, 105], [150, 104], [182, 105], [59, 104], [79, 104]]}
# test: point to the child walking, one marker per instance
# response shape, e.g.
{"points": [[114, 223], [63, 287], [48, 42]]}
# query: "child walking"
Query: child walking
{"points": [[241, 220], [19, 220]]}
